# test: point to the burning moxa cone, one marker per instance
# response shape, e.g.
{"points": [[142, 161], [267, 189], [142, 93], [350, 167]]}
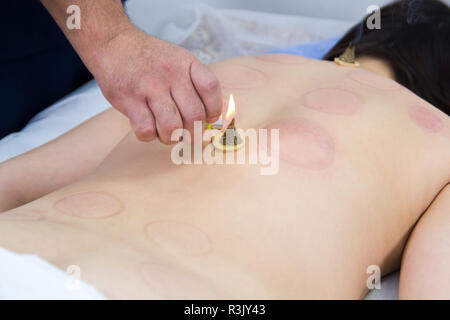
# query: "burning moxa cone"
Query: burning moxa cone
{"points": [[229, 140], [347, 59]]}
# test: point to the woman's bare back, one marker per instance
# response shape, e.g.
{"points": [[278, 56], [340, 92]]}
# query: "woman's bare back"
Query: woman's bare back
{"points": [[361, 158]]}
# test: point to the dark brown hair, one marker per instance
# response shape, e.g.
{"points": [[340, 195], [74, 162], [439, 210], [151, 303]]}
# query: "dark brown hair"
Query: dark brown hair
{"points": [[415, 40]]}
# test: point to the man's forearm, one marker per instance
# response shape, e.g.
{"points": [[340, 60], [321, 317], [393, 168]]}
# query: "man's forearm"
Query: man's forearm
{"points": [[101, 21]]}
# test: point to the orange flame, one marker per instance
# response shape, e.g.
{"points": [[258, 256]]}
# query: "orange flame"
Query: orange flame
{"points": [[231, 108]]}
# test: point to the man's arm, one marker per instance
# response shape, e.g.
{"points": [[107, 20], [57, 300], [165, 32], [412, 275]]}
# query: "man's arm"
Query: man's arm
{"points": [[101, 21], [160, 87], [425, 271], [61, 161]]}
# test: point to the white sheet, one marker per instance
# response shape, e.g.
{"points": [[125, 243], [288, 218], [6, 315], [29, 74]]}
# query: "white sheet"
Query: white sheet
{"points": [[26, 276], [220, 34], [208, 33]]}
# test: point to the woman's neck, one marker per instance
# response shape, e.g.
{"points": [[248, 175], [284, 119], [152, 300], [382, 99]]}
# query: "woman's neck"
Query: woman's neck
{"points": [[376, 65]]}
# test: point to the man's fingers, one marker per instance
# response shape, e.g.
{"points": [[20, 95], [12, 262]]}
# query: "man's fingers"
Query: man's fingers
{"points": [[208, 87], [189, 105], [166, 115], [142, 122]]}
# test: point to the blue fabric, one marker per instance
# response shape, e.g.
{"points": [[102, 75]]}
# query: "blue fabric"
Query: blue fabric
{"points": [[314, 50]]}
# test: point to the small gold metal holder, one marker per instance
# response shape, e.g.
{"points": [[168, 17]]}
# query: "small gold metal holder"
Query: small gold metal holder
{"points": [[347, 59]]}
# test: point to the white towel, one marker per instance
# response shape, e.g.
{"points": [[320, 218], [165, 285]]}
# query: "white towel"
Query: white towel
{"points": [[25, 276]]}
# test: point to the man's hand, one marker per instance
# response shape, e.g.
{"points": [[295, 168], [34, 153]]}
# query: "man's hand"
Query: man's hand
{"points": [[160, 87]]}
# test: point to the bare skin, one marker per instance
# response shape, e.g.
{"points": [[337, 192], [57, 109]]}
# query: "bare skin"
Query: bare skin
{"points": [[361, 159]]}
